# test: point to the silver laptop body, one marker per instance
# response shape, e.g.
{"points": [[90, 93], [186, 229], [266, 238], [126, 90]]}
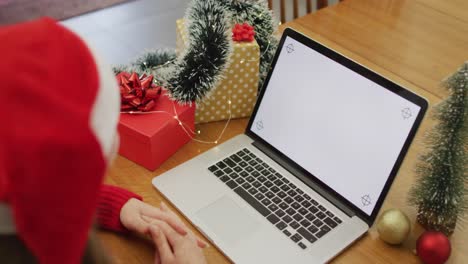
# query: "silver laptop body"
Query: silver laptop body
{"points": [[309, 175]]}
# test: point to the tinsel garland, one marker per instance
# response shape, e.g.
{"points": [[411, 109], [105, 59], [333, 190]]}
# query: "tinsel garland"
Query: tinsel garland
{"points": [[148, 62], [440, 193], [192, 75], [201, 65]]}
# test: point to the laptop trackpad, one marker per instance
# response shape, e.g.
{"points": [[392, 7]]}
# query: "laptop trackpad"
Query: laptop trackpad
{"points": [[228, 221]]}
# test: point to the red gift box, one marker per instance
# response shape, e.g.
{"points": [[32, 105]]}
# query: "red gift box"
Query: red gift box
{"points": [[151, 138]]}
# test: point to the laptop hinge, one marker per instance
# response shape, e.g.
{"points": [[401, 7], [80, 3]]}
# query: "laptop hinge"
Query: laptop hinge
{"points": [[304, 178]]}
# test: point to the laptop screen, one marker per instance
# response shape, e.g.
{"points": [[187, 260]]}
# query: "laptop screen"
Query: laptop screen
{"points": [[341, 127]]}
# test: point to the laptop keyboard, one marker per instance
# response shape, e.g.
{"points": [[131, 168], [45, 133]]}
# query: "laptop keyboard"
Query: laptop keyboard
{"points": [[292, 211]]}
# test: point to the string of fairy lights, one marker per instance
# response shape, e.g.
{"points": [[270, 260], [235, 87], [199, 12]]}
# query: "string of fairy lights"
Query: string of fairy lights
{"points": [[185, 127]]}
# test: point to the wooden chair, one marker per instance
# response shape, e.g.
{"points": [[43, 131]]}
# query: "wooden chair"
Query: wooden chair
{"points": [[320, 4]]}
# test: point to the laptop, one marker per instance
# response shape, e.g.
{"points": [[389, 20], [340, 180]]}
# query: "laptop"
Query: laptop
{"points": [[311, 171]]}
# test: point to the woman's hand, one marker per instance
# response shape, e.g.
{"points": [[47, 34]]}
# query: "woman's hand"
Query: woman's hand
{"points": [[138, 216], [174, 248]]}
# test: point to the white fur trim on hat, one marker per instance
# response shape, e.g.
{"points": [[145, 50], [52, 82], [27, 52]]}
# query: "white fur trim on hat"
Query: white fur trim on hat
{"points": [[106, 109]]}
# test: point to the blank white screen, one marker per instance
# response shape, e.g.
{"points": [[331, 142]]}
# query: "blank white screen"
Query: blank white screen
{"points": [[344, 129]]}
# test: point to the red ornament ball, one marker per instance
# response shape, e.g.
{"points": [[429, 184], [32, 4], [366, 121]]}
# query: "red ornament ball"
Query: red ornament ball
{"points": [[433, 247]]}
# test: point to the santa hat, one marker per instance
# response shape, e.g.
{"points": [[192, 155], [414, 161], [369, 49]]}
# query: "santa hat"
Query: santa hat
{"points": [[59, 108]]}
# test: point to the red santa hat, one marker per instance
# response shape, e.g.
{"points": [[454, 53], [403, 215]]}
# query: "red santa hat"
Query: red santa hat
{"points": [[59, 109]]}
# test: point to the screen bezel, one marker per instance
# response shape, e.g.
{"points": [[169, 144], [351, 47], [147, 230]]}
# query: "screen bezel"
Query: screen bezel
{"points": [[365, 72]]}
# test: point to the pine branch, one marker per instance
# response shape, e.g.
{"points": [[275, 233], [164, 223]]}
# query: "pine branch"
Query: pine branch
{"points": [[441, 191]]}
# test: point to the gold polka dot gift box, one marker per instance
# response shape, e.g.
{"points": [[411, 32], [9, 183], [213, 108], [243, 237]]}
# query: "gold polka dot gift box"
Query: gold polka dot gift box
{"points": [[239, 85]]}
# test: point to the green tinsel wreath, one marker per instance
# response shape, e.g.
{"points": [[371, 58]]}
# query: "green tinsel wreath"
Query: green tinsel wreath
{"points": [[191, 76]]}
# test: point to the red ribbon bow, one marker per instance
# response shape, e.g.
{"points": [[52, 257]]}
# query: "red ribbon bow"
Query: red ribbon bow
{"points": [[243, 32], [137, 93]]}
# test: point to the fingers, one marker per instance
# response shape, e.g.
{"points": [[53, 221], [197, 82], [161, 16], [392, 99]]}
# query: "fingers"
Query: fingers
{"points": [[171, 235], [166, 209], [173, 247], [201, 243], [148, 222], [171, 219], [164, 249], [157, 256], [139, 225], [172, 215], [130, 216]]}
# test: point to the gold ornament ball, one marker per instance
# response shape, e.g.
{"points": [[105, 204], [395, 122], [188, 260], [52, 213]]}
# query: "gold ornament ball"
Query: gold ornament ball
{"points": [[393, 226]]}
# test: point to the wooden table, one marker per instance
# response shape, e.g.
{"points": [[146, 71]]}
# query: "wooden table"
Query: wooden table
{"points": [[416, 43]]}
